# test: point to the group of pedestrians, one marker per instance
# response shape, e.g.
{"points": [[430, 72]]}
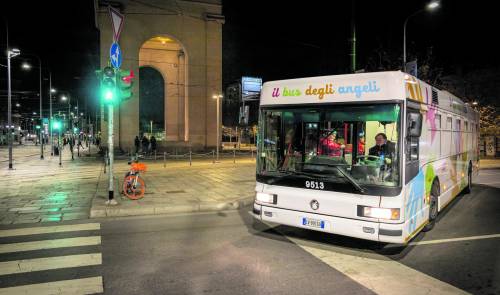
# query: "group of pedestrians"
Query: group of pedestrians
{"points": [[148, 145], [80, 141]]}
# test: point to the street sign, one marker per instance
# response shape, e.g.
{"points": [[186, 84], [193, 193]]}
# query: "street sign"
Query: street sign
{"points": [[116, 22], [115, 55]]}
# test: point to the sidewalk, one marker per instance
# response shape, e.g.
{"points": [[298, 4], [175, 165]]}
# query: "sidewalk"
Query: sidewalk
{"points": [[181, 188], [41, 191], [489, 163]]}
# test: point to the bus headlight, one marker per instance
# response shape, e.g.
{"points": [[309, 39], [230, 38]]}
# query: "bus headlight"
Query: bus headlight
{"points": [[266, 198], [381, 213]]}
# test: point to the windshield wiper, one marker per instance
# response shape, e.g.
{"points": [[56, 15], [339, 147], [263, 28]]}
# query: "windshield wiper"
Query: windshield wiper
{"points": [[346, 176], [288, 173]]}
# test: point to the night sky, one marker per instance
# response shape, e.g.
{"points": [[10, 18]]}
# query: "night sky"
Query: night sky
{"points": [[291, 40], [63, 35], [287, 40]]}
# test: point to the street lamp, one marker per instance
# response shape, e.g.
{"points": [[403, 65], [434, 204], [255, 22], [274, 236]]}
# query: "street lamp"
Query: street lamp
{"points": [[66, 98], [27, 66], [218, 97], [52, 90], [429, 7], [10, 54]]}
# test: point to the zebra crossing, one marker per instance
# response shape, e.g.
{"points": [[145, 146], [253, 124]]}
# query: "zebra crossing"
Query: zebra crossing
{"points": [[61, 259]]}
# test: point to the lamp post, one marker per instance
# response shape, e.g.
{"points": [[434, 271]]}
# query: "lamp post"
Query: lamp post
{"points": [[429, 7], [27, 66], [65, 98], [10, 54], [51, 90], [218, 97]]}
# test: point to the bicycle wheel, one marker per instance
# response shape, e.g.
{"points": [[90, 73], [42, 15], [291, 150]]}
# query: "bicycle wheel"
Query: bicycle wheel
{"points": [[134, 192]]}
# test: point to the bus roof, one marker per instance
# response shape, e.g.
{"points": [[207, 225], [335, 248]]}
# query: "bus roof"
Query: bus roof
{"points": [[361, 87]]}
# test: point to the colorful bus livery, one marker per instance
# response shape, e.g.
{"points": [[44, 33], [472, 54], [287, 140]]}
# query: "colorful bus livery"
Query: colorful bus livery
{"points": [[379, 163]]}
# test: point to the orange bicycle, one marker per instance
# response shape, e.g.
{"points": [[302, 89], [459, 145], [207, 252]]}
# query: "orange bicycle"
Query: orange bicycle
{"points": [[133, 185]]}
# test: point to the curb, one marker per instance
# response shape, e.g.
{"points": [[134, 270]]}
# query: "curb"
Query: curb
{"points": [[116, 211]]}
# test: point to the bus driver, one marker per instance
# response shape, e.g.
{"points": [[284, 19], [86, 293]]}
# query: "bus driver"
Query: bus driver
{"points": [[383, 148]]}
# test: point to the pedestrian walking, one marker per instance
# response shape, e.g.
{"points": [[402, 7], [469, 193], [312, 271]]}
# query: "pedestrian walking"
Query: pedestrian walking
{"points": [[145, 144], [153, 144], [137, 144], [71, 146]]}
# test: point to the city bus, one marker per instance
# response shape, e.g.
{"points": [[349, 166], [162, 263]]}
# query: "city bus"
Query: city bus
{"points": [[373, 156]]}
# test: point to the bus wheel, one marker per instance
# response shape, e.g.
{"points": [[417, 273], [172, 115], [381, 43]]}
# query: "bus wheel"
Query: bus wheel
{"points": [[433, 207], [468, 188]]}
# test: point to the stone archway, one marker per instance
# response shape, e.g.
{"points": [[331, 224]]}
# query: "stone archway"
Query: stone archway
{"points": [[167, 57], [151, 102]]}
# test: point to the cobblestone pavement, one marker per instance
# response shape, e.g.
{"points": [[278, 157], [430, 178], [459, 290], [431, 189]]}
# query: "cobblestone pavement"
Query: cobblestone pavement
{"points": [[42, 191]]}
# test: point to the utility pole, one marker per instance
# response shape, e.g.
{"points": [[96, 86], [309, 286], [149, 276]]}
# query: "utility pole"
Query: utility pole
{"points": [[352, 55]]}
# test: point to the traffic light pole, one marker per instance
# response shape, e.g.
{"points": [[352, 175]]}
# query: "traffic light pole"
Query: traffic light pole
{"points": [[59, 149], [110, 150]]}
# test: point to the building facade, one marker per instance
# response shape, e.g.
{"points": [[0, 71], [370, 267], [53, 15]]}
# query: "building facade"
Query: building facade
{"points": [[174, 49]]}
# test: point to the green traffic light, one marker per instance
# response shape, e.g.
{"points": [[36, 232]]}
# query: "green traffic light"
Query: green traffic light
{"points": [[108, 95], [56, 125], [38, 127]]}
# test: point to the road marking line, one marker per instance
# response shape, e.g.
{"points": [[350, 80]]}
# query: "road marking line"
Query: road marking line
{"points": [[377, 272], [454, 240], [490, 183], [38, 264], [79, 286], [49, 229], [50, 244]]}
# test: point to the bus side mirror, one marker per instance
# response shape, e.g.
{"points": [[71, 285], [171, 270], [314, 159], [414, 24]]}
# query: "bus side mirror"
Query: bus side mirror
{"points": [[414, 121]]}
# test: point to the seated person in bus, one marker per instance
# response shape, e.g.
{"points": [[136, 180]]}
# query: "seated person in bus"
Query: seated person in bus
{"points": [[361, 144], [329, 146], [382, 148], [291, 153]]}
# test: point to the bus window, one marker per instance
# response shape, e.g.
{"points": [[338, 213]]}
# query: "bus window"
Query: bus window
{"points": [[361, 141]]}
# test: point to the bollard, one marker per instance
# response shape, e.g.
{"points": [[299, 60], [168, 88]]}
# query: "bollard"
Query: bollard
{"points": [[190, 157], [105, 164], [213, 157], [251, 149], [164, 159], [234, 156], [155, 155]]}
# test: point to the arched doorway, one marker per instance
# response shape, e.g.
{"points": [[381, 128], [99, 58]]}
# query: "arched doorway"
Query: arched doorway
{"points": [[151, 102], [166, 57]]}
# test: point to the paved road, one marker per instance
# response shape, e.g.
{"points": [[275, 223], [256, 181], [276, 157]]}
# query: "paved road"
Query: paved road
{"points": [[222, 253]]}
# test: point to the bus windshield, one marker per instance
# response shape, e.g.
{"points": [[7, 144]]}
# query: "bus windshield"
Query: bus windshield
{"points": [[357, 146]]}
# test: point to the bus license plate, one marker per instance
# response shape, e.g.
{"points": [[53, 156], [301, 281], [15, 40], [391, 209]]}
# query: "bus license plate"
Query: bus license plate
{"points": [[313, 222]]}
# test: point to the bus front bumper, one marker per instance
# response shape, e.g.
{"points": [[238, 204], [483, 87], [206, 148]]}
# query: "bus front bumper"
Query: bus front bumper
{"points": [[375, 231]]}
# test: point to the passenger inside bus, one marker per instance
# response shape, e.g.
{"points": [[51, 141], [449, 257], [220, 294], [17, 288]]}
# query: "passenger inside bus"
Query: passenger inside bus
{"points": [[329, 146], [361, 144], [292, 153]]}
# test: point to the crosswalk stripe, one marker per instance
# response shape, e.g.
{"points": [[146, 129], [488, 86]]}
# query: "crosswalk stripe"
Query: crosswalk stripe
{"points": [[50, 244], [49, 229], [376, 272], [79, 286], [454, 240], [39, 264]]}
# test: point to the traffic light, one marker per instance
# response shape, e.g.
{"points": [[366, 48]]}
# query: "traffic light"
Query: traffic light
{"points": [[38, 123], [56, 124], [125, 84], [108, 86]]}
